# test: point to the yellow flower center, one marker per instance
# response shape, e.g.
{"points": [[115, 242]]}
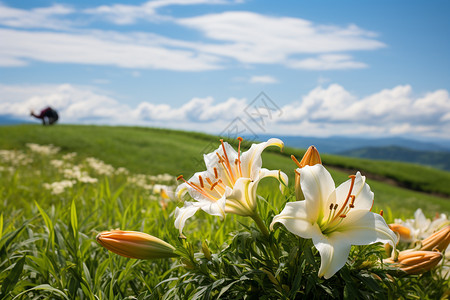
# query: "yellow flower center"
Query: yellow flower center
{"points": [[335, 216]]}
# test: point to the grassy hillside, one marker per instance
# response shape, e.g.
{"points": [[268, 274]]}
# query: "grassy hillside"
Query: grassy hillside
{"points": [[156, 151], [436, 159]]}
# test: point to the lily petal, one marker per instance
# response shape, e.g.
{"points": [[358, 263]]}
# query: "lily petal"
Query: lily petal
{"points": [[251, 161], [182, 214], [280, 176], [295, 218], [334, 250], [181, 190], [420, 219], [317, 184], [363, 195], [365, 227], [213, 208], [242, 199]]}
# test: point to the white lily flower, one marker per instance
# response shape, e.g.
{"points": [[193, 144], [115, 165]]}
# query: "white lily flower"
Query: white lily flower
{"points": [[418, 228], [334, 218], [229, 183]]}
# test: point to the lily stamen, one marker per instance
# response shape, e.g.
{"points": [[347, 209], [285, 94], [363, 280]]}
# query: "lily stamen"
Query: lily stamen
{"points": [[352, 183], [221, 186], [201, 181], [213, 185], [352, 203], [237, 166], [239, 155], [227, 171], [296, 161], [216, 174], [197, 188], [227, 161]]}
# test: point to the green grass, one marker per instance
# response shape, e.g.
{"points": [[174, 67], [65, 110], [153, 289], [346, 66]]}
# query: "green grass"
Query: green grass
{"points": [[157, 151], [47, 241]]}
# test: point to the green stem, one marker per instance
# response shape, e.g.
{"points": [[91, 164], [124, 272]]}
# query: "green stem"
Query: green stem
{"points": [[259, 222]]}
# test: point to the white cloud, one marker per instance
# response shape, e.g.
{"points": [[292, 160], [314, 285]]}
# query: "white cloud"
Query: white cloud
{"points": [[390, 111], [321, 112], [196, 110], [45, 17], [99, 48], [327, 62], [254, 38], [263, 79], [245, 37], [122, 14], [83, 104]]}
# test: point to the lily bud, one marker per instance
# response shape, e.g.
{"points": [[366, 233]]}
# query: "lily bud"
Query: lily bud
{"points": [[438, 240], [206, 251], [388, 249], [135, 244], [403, 232], [310, 158], [416, 262]]}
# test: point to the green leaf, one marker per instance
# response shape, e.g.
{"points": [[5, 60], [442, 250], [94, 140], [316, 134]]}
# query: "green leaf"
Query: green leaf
{"points": [[43, 287], [8, 238], [49, 224], [73, 219], [1, 226], [10, 282]]}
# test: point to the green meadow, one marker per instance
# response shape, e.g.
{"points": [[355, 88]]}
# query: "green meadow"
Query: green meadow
{"points": [[52, 205]]}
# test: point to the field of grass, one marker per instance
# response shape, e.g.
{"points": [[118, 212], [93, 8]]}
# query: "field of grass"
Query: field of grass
{"points": [[48, 228], [157, 151]]}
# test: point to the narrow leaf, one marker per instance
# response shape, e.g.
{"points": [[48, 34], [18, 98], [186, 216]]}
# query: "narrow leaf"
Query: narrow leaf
{"points": [[10, 282]]}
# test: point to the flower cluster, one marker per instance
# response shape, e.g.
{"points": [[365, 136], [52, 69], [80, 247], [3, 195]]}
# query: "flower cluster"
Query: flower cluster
{"points": [[159, 187], [43, 149], [334, 218], [426, 241]]}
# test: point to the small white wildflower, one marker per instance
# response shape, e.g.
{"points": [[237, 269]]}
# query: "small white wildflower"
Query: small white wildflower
{"points": [[99, 166], [69, 156], [59, 186], [87, 179], [43, 149], [57, 163], [15, 158], [122, 170]]}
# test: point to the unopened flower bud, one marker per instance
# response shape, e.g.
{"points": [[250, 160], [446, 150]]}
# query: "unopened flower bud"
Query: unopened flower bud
{"points": [[438, 240], [416, 262], [187, 264], [206, 251], [310, 158], [388, 249], [135, 244], [403, 232]]}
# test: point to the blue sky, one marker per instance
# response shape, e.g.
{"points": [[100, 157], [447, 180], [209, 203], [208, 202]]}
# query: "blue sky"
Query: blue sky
{"points": [[354, 68]]}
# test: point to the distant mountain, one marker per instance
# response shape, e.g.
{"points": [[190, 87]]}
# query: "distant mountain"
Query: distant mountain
{"points": [[11, 120], [341, 145], [436, 159]]}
